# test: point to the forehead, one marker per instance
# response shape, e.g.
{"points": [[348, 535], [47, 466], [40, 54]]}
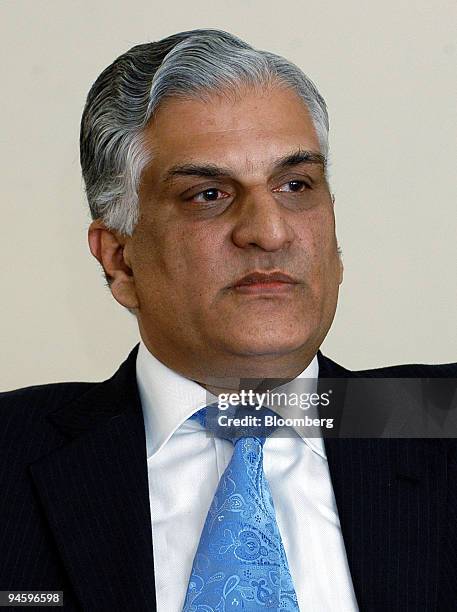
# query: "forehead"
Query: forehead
{"points": [[248, 129]]}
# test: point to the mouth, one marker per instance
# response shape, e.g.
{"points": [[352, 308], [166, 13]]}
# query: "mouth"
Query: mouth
{"points": [[272, 283]]}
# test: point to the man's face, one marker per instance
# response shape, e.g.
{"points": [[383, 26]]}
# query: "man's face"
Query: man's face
{"points": [[228, 193]]}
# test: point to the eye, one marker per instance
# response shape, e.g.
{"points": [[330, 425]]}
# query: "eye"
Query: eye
{"points": [[209, 195], [293, 187]]}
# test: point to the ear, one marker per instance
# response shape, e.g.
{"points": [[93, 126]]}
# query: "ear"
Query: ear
{"points": [[111, 249], [341, 265], [340, 253]]}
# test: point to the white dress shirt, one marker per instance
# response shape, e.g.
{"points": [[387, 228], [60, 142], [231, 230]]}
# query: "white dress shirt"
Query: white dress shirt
{"points": [[184, 468]]}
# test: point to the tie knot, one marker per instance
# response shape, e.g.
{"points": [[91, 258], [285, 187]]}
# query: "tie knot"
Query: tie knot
{"points": [[236, 422]]}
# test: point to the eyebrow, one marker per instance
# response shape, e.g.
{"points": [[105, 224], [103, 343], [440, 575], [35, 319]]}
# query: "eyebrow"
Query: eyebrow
{"points": [[295, 158]]}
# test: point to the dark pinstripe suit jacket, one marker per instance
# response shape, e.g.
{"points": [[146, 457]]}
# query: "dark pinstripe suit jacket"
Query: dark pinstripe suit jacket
{"points": [[74, 505]]}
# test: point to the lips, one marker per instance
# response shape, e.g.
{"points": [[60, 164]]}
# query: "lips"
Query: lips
{"points": [[265, 278]]}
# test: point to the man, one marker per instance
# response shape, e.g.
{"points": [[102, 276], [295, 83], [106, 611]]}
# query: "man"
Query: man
{"points": [[205, 168]]}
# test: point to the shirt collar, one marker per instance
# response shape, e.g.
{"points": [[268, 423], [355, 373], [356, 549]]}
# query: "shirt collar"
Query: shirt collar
{"points": [[168, 399]]}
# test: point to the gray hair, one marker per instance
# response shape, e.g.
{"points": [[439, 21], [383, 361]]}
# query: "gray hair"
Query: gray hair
{"points": [[123, 99]]}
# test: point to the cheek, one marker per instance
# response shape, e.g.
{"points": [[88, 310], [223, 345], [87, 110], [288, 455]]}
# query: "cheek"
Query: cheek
{"points": [[317, 239], [157, 250], [195, 257], [319, 253], [181, 261]]}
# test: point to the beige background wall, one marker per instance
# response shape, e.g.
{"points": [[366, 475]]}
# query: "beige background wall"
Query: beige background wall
{"points": [[388, 72]]}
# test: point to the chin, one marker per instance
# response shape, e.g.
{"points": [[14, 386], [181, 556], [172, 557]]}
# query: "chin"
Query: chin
{"points": [[270, 343]]}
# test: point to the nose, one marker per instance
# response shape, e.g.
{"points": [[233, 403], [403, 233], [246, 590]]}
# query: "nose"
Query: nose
{"points": [[261, 222]]}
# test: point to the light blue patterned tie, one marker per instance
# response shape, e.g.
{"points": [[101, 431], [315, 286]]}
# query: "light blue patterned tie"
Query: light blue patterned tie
{"points": [[240, 563]]}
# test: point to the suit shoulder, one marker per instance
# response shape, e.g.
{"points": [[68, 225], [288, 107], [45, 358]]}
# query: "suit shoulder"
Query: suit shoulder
{"points": [[45, 393], [411, 370], [25, 431], [31, 403]]}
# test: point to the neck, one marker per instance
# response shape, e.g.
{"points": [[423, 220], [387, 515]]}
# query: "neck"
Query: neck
{"points": [[237, 373]]}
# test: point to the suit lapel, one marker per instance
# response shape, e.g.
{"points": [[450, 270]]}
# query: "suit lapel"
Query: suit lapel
{"points": [[94, 490], [389, 495]]}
